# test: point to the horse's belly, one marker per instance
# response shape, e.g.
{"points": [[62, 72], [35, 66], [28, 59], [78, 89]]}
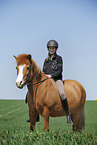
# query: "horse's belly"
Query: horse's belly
{"points": [[57, 111], [57, 114]]}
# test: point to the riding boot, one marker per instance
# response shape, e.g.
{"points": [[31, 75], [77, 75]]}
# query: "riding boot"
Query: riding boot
{"points": [[37, 119], [66, 108], [28, 120], [26, 98]]}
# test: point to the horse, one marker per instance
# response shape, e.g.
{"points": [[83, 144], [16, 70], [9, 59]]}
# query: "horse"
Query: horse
{"points": [[44, 99]]}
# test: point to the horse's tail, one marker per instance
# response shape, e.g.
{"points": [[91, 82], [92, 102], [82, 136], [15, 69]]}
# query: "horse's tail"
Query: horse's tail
{"points": [[81, 122]]}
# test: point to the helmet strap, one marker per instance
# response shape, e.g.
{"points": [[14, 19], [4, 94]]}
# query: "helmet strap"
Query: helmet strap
{"points": [[52, 54]]}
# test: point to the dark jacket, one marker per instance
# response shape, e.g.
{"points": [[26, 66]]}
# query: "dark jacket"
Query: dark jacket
{"points": [[54, 67]]}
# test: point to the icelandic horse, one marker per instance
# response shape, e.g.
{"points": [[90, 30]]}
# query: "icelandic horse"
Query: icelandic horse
{"points": [[43, 95]]}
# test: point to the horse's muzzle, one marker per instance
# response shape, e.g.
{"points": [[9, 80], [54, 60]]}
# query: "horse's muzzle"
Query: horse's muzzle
{"points": [[20, 85]]}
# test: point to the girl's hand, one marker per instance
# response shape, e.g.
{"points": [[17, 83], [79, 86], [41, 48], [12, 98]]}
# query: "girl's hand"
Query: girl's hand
{"points": [[49, 76]]}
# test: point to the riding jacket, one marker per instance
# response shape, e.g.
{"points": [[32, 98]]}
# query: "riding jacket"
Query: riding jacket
{"points": [[53, 67]]}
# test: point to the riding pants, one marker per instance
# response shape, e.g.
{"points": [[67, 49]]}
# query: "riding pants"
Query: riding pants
{"points": [[60, 87]]}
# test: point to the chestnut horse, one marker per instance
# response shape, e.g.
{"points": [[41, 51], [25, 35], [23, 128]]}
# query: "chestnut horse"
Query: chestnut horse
{"points": [[43, 95]]}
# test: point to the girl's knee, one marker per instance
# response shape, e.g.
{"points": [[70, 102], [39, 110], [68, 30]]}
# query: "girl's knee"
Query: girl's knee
{"points": [[63, 96]]}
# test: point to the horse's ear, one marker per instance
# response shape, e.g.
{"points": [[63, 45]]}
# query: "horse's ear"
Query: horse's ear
{"points": [[29, 57], [14, 56]]}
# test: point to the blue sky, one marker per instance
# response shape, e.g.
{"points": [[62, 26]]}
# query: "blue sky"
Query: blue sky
{"points": [[27, 25]]}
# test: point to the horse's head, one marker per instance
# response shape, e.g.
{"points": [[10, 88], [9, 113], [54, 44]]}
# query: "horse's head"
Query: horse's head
{"points": [[27, 70], [23, 67]]}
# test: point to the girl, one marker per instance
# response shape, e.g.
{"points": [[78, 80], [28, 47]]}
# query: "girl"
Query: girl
{"points": [[53, 67]]}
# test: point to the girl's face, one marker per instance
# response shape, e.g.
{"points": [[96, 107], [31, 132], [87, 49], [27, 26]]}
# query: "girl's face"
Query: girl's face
{"points": [[52, 50]]}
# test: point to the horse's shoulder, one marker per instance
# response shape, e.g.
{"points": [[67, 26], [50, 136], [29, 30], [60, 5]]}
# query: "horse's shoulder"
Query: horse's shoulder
{"points": [[53, 83]]}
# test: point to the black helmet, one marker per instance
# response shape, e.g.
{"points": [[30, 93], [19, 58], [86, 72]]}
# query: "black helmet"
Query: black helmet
{"points": [[52, 43]]}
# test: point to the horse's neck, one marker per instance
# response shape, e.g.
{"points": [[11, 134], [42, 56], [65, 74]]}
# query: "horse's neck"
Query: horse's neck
{"points": [[38, 78], [35, 81]]}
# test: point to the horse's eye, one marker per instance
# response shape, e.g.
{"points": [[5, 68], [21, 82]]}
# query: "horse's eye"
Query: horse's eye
{"points": [[27, 68]]}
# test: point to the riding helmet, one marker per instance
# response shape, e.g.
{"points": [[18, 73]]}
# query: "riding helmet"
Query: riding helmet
{"points": [[52, 43]]}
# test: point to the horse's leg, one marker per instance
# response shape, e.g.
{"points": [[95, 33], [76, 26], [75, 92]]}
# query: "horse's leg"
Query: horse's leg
{"points": [[45, 115], [32, 120]]}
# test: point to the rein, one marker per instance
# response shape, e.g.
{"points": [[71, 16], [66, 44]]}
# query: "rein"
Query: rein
{"points": [[31, 84]]}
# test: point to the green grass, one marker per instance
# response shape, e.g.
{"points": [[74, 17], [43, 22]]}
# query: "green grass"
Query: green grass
{"points": [[15, 131]]}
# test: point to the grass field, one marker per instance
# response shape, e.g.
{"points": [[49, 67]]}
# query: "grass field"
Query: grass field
{"points": [[15, 131]]}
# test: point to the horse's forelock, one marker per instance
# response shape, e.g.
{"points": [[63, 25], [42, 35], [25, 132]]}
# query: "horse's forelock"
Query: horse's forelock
{"points": [[22, 58]]}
